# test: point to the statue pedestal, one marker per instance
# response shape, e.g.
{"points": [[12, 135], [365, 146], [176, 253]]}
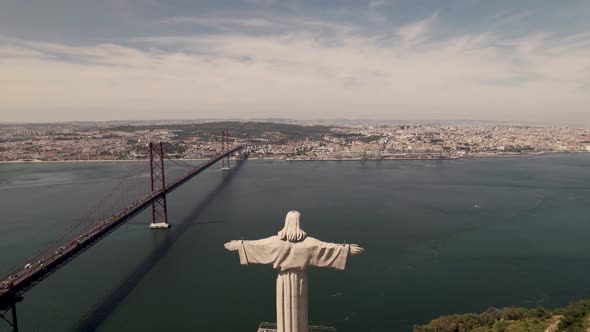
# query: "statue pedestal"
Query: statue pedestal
{"points": [[272, 327]]}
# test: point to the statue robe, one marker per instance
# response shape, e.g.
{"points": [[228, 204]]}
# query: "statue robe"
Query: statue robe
{"points": [[291, 259]]}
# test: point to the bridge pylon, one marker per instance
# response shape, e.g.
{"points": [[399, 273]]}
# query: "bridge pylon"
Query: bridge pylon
{"points": [[225, 148], [158, 183], [10, 306]]}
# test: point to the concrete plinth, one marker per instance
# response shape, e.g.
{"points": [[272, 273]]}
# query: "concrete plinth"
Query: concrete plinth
{"points": [[272, 327], [159, 225]]}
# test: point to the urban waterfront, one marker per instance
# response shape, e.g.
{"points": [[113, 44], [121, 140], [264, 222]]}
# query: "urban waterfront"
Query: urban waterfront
{"points": [[442, 237]]}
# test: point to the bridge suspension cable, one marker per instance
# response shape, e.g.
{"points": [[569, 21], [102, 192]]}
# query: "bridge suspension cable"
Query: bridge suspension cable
{"points": [[128, 188]]}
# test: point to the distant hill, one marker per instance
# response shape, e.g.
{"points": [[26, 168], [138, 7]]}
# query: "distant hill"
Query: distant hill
{"points": [[237, 129], [574, 318]]}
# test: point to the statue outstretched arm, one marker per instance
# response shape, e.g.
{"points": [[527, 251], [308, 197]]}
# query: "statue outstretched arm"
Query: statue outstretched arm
{"points": [[254, 251], [232, 245], [356, 250]]}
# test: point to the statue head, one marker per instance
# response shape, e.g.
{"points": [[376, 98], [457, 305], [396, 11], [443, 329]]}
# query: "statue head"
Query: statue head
{"points": [[291, 232]]}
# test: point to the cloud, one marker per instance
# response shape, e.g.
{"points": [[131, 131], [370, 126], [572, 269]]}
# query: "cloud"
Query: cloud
{"points": [[300, 74], [268, 25], [217, 22], [378, 3], [508, 18], [416, 32], [260, 2]]}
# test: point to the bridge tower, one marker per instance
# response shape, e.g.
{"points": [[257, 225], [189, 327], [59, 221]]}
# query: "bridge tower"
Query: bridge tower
{"points": [[158, 182], [10, 304], [225, 148]]}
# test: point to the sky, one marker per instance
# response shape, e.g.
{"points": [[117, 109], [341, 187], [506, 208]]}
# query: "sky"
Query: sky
{"points": [[501, 60]]}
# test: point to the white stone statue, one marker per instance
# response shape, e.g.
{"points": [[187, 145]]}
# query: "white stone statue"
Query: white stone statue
{"points": [[291, 252]]}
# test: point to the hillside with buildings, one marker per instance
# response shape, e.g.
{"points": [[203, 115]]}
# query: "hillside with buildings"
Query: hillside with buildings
{"points": [[116, 141]]}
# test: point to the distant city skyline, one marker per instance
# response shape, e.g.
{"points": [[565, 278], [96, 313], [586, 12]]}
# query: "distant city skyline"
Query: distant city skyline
{"points": [[526, 61]]}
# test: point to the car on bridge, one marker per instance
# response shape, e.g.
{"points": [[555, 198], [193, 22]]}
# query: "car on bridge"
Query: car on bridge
{"points": [[7, 285]]}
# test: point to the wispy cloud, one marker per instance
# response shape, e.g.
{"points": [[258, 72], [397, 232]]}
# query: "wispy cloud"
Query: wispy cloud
{"points": [[379, 3], [267, 25], [260, 2], [508, 18], [217, 22], [416, 32]]}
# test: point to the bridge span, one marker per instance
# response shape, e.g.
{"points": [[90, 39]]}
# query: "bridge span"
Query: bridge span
{"points": [[32, 272]]}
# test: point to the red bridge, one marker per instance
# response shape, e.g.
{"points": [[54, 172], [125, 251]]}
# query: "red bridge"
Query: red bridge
{"points": [[126, 200]]}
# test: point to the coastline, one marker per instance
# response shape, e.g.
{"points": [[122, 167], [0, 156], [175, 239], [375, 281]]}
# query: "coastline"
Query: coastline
{"points": [[303, 159], [445, 159]]}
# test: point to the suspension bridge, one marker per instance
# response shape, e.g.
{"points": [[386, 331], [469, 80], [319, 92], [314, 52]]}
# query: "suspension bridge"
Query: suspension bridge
{"points": [[144, 186]]}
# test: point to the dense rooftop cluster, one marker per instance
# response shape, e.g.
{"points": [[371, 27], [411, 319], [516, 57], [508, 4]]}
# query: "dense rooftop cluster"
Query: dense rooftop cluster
{"points": [[55, 142]]}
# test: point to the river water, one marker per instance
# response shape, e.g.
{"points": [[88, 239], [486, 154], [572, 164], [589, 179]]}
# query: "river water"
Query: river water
{"points": [[441, 237]]}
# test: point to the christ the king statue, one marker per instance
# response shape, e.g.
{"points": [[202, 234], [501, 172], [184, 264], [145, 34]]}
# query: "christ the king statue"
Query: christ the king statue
{"points": [[291, 252]]}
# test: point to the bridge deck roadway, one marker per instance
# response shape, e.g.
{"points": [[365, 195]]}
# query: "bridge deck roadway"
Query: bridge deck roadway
{"points": [[24, 278]]}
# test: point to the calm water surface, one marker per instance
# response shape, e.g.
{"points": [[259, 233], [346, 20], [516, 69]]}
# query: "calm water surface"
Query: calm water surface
{"points": [[441, 237]]}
